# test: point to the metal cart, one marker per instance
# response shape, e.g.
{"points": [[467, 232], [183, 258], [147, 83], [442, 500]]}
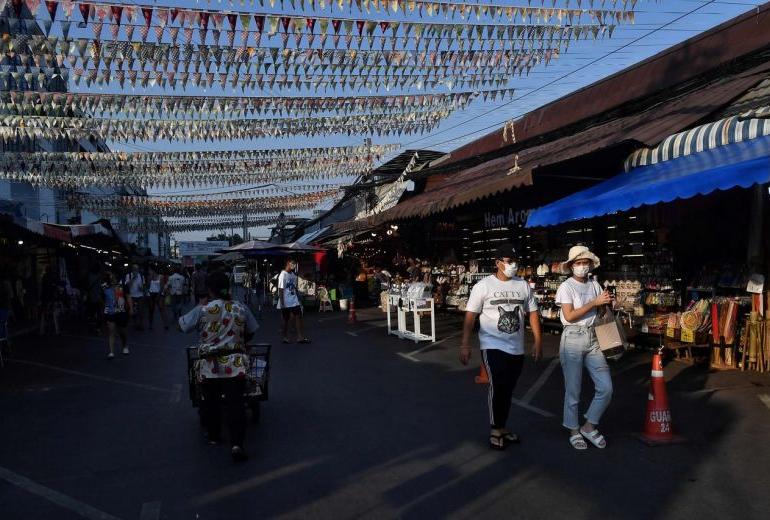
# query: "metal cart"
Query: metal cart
{"points": [[257, 377]]}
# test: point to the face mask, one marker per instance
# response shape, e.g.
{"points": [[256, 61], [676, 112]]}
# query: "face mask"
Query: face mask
{"points": [[510, 269], [581, 271]]}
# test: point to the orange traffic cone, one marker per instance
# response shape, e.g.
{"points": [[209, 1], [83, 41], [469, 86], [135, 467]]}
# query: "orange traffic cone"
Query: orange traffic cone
{"points": [[657, 423], [483, 377], [352, 312]]}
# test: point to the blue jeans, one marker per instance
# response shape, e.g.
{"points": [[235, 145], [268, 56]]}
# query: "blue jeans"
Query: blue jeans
{"points": [[579, 348]]}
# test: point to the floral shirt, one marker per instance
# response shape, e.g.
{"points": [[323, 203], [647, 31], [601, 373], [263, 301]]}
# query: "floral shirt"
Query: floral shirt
{"points": [[223, 325]]}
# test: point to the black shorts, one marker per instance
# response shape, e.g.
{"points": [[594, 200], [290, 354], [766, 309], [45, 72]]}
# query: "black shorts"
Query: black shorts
{"points": [[289, 311], [119, 318]]}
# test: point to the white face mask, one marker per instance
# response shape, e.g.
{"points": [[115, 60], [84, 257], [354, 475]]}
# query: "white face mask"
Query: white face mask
{"points": [[510, 269], [581, 271]]}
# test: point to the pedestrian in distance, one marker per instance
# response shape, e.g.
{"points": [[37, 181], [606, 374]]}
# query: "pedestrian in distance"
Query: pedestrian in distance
{"points": [[225, 326], [155, 298], [176, 288], [93, 297], [116, 311], [580, 298], [288, 302], [136, 287], [200, 290], [502, 302], [51, 296]]}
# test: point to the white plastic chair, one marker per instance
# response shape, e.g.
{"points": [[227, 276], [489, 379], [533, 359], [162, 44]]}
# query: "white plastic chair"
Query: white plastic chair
{"points": [[324, 303]]}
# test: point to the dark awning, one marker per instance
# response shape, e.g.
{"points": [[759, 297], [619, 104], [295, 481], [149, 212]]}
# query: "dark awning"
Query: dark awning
{"points": [[484, 180], [740, 164]]}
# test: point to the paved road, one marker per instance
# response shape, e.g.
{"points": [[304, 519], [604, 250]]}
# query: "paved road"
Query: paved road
{"points": [[362, 425]]}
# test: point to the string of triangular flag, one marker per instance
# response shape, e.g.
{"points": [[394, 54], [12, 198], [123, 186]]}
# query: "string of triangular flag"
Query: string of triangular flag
{"points": [[13, 127], [41, 52], [144, 206], [599, 10], [170, 169], [182, 225], [131, 105], [368, 79], [316, 29]]}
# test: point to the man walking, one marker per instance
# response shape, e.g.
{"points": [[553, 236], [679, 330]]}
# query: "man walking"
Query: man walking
{"points": [[288, 302], [176, 287], [503, 301], [135, 285]]}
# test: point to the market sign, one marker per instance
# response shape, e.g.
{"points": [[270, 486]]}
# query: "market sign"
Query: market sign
{"points": [[202, 247], [509, 218]]}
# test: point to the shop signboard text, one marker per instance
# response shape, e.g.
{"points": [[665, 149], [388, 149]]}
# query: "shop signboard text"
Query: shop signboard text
{"points": [[508, 218]]}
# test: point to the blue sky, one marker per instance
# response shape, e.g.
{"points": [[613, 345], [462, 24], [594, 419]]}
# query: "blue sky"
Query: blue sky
{"points": [[659, 24]]}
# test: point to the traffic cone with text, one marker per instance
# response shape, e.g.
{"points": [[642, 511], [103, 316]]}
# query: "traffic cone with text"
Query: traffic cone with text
{"points": [[657, 422], [352, 311]]}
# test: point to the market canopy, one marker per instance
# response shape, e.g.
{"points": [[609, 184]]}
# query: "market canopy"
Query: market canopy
{"points": [[299, 247], [232, 256], [251, 246], [739, 164], [307, 238], [257, 247]]}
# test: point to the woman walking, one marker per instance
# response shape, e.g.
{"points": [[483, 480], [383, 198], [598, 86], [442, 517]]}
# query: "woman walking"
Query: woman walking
{"points": [[580, 298], [116, 310]]}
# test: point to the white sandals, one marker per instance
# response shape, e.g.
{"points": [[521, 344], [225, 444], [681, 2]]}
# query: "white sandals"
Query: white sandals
{"points": [[595, 438], [577, 442]]}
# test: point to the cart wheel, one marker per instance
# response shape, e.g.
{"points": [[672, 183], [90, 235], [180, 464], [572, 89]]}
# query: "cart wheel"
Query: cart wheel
{"points": [[255, 411]]}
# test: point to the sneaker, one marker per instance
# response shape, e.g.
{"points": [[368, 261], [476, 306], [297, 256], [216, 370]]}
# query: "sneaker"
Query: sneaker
{"points": [[110, 356], [238, 454], [125, 351]]}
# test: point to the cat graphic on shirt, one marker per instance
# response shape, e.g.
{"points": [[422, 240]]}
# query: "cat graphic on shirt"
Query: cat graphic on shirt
{"points": [[509, 321]]}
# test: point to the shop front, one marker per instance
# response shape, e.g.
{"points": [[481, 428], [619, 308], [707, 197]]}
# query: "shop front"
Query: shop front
{"points": [[675, 227], [683, 240], [46, 269]]}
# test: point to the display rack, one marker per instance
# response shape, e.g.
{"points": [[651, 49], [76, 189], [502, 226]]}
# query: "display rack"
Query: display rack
{"points": [[416, 306]]}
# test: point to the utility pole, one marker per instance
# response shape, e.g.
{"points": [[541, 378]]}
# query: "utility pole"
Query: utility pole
{"points": [[157, 234], [245, 229]]}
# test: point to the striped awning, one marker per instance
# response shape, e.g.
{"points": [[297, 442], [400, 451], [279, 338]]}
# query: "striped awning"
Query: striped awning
{"points": [[735, 129]]}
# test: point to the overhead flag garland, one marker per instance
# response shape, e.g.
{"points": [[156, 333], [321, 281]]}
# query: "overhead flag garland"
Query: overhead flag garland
{"points": [[69, 104], [174, 169], [75, 128], [137, 206], [85, 54], [598, 10], [188, 25], [285, 68], [186, 225]]}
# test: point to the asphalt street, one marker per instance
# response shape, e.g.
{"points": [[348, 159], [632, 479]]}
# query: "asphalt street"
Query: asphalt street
{"points": [[362, 425]]}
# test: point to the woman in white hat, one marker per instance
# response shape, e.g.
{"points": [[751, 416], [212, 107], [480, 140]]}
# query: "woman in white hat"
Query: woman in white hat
{"points": [[579, 299]]}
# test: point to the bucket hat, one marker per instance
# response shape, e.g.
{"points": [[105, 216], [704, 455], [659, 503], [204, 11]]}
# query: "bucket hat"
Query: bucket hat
{"points": [[578, 253]]}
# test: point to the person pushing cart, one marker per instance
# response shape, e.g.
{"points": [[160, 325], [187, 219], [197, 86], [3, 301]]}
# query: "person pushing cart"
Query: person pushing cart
{"points": [[222, 365]]}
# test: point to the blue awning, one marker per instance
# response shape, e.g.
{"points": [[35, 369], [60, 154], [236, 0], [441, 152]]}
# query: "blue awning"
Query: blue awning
{"points": [[739, 164]]}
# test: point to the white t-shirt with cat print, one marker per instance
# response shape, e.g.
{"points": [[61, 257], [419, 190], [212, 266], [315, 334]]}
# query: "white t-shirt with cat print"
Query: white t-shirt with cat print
{"points": [[504, 308]]}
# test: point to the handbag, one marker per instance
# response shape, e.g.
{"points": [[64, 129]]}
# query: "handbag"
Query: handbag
{"points": [[609, 331]]}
